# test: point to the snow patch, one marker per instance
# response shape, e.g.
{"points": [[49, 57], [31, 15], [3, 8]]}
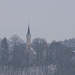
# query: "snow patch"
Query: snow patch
{"points": [[33, 51]]}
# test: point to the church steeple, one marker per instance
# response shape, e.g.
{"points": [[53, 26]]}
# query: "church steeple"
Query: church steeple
{"points": [[28, 39], [28, 32]]}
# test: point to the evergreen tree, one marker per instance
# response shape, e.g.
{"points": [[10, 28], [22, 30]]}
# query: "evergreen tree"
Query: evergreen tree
{"points": [[4, 53]]}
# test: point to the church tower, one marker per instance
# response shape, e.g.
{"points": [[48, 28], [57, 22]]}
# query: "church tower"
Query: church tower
{"points": [[28, 40]]}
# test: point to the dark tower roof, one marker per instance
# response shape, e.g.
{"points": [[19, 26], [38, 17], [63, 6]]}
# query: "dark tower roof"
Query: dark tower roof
{"points": [[28, 32]]}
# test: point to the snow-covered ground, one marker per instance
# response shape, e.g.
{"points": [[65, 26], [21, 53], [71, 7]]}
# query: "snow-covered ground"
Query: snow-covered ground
{"points": [[43, 70]]}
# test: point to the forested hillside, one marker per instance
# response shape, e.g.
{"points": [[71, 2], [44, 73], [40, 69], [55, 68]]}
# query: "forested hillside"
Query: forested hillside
{"points": [[53, 58], [69, 43]]}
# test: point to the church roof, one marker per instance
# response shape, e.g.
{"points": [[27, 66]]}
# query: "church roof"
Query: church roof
{"points": [[28, 32]]}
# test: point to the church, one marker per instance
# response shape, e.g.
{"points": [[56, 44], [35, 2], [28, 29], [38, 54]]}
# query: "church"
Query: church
{"points": [[28, 42], [29, 52]]}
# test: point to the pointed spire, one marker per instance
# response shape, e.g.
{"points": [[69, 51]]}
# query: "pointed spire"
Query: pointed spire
{"points": [[28, 32]]}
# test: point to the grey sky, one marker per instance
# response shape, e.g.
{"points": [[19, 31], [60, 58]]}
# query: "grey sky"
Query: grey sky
{"points": [[49, 19]]}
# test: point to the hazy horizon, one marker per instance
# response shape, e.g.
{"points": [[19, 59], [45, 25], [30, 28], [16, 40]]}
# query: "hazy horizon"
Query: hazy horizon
{"points": [[49, 19]]}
